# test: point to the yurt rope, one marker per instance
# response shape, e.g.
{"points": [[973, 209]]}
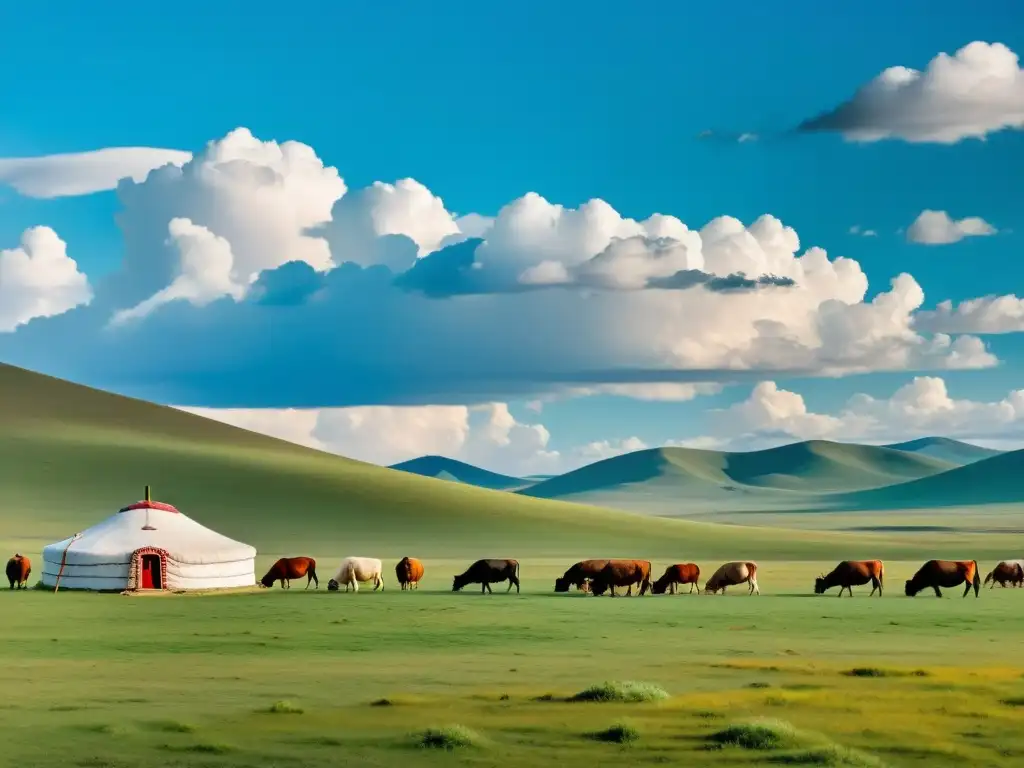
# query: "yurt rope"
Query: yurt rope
{"points": [[64, 560]]}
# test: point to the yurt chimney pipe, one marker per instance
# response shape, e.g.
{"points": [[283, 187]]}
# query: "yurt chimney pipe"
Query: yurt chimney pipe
{"points": [[147, 494]]}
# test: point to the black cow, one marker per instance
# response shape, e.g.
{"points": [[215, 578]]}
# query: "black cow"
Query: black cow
{"points": [[487, 572]]}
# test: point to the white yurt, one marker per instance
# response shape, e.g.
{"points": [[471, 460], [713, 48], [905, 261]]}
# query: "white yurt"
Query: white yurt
{"points": [[148, 545]]}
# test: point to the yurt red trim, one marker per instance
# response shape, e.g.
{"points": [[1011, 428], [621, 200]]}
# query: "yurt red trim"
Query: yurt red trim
{"points": [[150, 505], [137, 577]]}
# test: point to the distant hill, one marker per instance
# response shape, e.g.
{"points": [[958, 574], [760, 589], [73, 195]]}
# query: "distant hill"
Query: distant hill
{"points": [[673, 475], [71, 455], [953, 451], [443, 468], [995, 480]]}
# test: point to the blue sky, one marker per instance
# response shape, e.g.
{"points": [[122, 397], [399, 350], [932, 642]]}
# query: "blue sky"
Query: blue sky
{"points": [[483, 103]]}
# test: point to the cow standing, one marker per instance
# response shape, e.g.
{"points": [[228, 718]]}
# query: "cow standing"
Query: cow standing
{"points": [[288, 568], [680, 573], [622, 573], [731, 574], [354, 570], [852, 573], [1006, 571], [945, 573], [409, 571], [19, 568], [487, 572], [579, 575]]}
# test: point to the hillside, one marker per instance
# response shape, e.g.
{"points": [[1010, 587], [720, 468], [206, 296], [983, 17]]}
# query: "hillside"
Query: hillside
{"points": [[666, 476], [996, 480], [443, 468], [945, 449], [70, 456]]}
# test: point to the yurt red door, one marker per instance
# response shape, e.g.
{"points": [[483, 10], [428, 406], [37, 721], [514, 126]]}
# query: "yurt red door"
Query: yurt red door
{"points": [[151, 575]]}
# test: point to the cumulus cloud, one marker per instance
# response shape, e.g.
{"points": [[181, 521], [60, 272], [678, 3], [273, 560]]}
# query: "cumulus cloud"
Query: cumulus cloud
{"points": [[976, 92], [937, 228], [39, 280], [921, 408], [205, 271], [271, 247], [487, 435], [984, 315], [82, 173]]}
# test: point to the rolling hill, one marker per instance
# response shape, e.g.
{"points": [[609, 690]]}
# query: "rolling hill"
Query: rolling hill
{"points": [[443, 468], [71, 455], [996, 480], [945, 449], [659, 478]]}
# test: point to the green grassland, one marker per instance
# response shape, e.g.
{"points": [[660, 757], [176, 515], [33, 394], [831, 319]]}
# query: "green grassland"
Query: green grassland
{"points": [[218, 680]]}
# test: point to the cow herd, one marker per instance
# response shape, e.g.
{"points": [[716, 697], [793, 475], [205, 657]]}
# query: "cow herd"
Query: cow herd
{"points": [[599, 577]]}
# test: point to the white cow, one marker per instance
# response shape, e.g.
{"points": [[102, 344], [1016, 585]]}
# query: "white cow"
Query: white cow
{"points": [[358, 569]]}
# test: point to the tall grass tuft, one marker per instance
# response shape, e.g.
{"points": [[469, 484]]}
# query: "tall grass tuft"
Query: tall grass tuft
{"points": [[758, 735], [449, 738], [626, 691]]}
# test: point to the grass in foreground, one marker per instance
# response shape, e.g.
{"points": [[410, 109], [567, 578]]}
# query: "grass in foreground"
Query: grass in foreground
{"points": [[191, 681]]}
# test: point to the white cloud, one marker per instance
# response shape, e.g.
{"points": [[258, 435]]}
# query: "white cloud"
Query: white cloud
{"points": [[486, 435], [984, 315], [205, 271], [921, 408], [977, 91], [553, 299], [82, 173], [937, 228], [39, 279], [857, 229]]}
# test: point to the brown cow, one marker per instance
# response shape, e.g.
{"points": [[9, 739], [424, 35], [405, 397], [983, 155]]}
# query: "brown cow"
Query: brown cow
{"points": [[945, 573], [579, 574], [1006, 572], [852, 573], [409, 571], [622, 573], [680, 573], [19, 568], [288, 568], [731, 574]]}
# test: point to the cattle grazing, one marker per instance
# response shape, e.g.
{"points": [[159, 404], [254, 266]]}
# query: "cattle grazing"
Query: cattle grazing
{"points": [[487, 572], [288, 568], [680, 573], [409, 571], [19, 568], [1006, 571], [579, 574], [622, 573], [356, 570], [731, 574], [852, 573], [945, 573]]}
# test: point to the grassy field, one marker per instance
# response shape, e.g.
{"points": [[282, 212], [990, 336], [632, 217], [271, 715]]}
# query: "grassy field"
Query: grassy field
{"points": [[108, 681], [220, 680]]}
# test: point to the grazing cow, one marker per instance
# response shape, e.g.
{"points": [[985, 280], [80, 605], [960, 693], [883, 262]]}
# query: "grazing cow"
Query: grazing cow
{"points": [[852, 573], [487, 572], [731, 574], [409, 571], [622, 573], [288, 568], [680, 573], [1011, 572], [19, 568], [354, 570], [579, 574], [945, 573]]}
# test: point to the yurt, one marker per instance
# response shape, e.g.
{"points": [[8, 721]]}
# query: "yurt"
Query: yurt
{"points": [[148, 545]]}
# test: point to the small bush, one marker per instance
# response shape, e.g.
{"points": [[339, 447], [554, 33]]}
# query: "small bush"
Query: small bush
{"points": [[1014, 701], [876, 672], [382, 703], [628, 691], [203, 748], [173, 726], [620, 733], [285, 707], [759, 685], [759, 735], [450, 737]]}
